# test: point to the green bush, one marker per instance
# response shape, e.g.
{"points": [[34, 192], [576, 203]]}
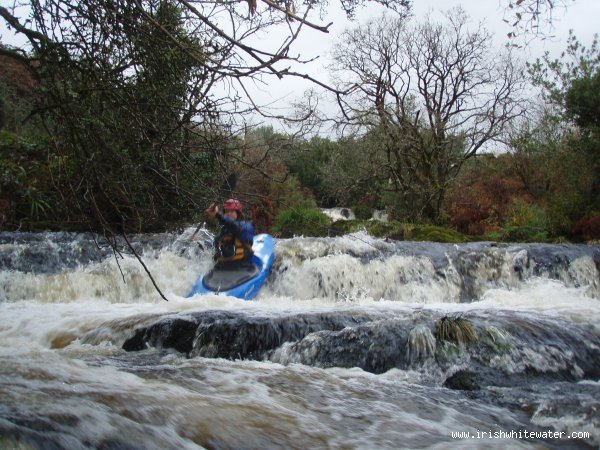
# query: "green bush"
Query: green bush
{"points": [[392, 229], [494, 236], [567, 207], [435, 234], [524, 233], [362, 212], [398, 231], [301, 221], [525, 214], [527, 223], [342, 227], [294, 196], [311, 222]]}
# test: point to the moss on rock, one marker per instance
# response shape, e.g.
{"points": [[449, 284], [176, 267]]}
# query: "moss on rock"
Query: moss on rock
{"points": [[436, 234]]}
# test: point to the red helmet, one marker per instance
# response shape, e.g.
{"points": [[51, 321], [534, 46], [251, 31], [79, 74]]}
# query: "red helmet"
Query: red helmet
{"points": [[233, 205]]}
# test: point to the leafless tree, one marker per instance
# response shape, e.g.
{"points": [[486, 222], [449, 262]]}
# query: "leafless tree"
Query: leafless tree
{"points": [[531, 17], [434, 94]]}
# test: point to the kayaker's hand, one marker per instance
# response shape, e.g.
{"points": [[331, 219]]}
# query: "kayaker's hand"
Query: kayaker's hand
{"points": [[212, 210]]}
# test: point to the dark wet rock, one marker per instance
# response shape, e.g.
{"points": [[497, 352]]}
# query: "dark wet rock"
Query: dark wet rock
{"points": [[376, 347], [49, 252], [175, 333], [511, 349], [222, 334], [463, 380], [46, 253]]}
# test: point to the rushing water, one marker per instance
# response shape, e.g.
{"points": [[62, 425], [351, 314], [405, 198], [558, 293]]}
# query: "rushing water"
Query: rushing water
{"points": [[354, 342]]}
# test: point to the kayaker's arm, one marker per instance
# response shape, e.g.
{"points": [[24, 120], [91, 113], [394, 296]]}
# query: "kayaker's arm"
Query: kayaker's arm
{"points": [[243, 230], [229, 224]]}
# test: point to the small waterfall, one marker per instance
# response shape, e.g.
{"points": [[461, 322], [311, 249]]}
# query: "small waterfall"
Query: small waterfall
{"points": [[75, 267], [420, 345], [58, 267], [359, 266]]}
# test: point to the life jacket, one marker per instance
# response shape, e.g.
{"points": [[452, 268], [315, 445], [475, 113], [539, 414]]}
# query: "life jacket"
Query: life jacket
{"points": [[232, 248]]}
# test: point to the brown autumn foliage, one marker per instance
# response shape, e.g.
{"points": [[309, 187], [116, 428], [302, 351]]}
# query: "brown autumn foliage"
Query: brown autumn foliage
{"points": [[264, 184], [481, 197], [588, 228], [15, 74]]}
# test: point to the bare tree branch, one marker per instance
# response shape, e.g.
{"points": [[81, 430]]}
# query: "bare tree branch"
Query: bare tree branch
{"points": [[435, 94]]}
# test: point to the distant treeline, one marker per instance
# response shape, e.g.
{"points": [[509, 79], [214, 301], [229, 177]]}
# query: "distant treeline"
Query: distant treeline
{"points": [[119, 132]]}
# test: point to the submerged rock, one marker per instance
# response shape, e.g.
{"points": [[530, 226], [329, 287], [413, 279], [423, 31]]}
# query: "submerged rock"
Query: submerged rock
{"points": [[463, 380]]}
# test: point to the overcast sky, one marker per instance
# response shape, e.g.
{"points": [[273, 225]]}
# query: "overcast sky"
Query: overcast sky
{"points": [[581, 16]]}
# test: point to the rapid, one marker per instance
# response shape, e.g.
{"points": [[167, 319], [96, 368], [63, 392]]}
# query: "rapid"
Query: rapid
{"points": [[354, 342]]}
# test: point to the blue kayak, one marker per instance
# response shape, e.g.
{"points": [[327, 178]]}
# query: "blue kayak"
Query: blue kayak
{"points": [[240, 282]]}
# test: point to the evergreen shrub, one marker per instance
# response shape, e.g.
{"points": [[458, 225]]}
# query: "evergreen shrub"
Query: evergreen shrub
{"points": [[301, 221]]}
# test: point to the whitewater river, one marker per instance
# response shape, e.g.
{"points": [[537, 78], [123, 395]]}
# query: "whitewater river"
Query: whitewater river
{"points": [[355, 342]]}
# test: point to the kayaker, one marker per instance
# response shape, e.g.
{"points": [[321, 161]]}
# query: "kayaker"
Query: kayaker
{"points": [[234, 242]]}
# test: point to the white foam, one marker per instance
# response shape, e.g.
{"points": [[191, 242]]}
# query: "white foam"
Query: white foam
{"points": [[122, 280], [549, 297], [346, 278], [339, 213]]}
